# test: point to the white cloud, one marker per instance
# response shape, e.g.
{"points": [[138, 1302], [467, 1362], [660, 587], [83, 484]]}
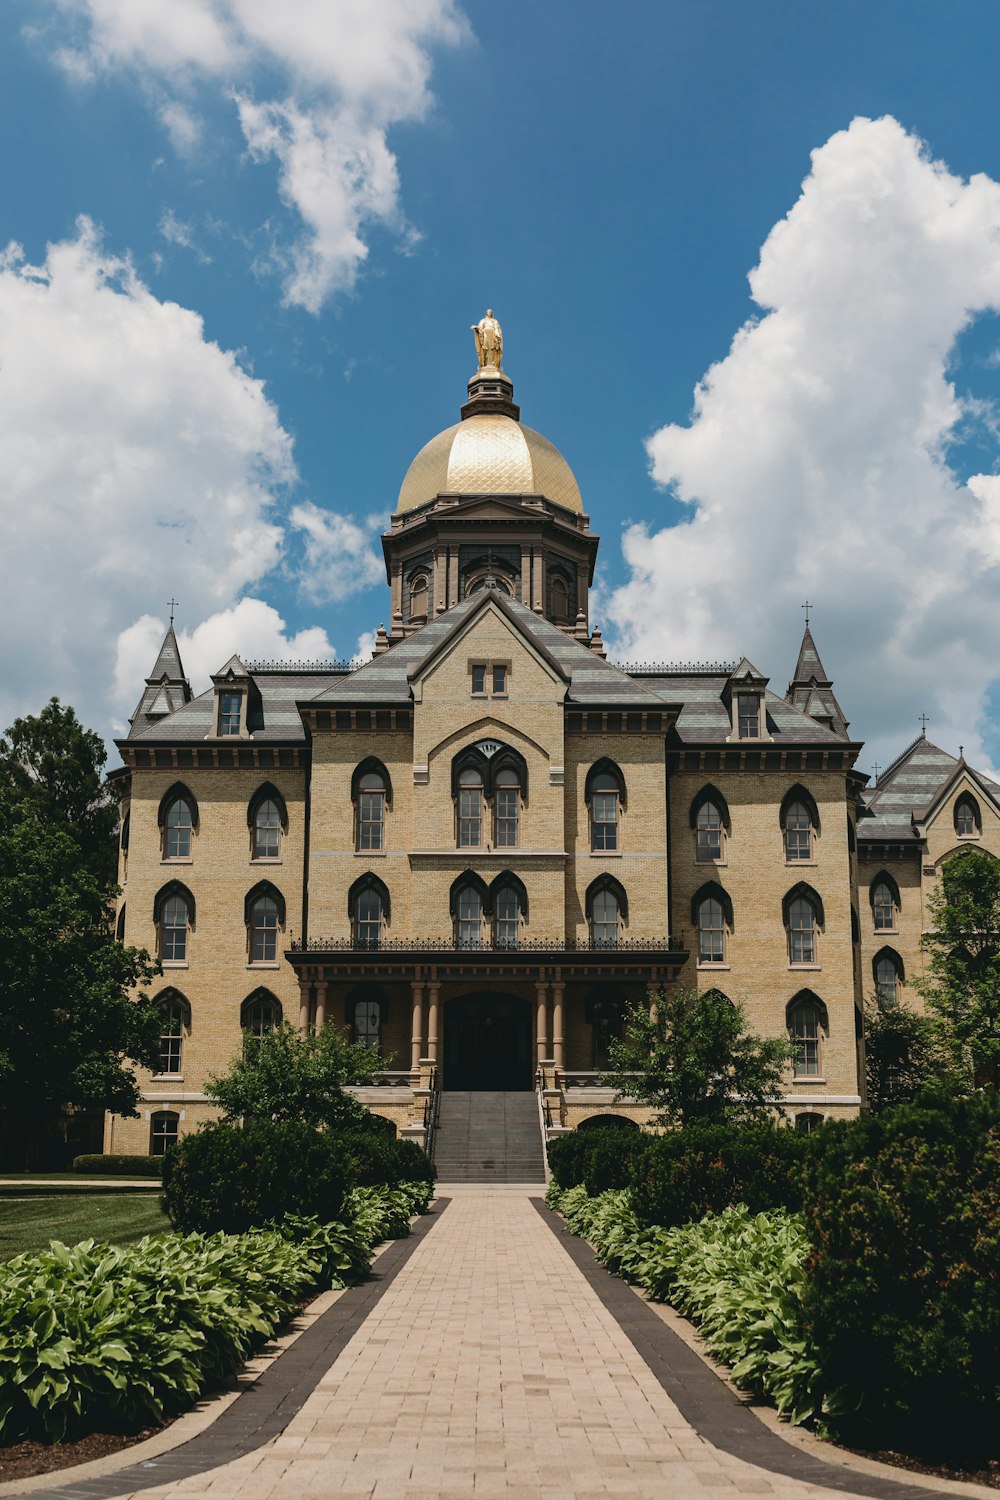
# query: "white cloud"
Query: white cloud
{"points": [[340, 557], [138, 460], [339, 75], [815, 457], [180, 233]]}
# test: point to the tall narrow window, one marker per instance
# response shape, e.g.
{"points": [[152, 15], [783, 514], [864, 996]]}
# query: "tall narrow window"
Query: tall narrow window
{"points": [[710, 833], [805, 1033], [507, 808], [798, 832], [506, 918], [230, 705], [470, 809], [418, 598], [470, 918], [368, 1022], [267, 830], [174, 930], [178, 826], [479, 679], [261, 1014], [883, 906], [264, 930], [748, 716], [371, 812], [368, 919], [604, 920], [173, 1018], [967, 824], [604, 813], [560, 600], [711, 932], [163, 1130], [801, 932], [888, 970]]}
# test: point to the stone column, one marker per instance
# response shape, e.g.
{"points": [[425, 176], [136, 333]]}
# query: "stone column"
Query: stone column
{"points": [[440, 581], [541, 1020], [526, 575], [303, 1004], [582, 591], [320, 1004], [433, 1021], [558, 990], [417, 1032], [452, 576], [397, 590]]}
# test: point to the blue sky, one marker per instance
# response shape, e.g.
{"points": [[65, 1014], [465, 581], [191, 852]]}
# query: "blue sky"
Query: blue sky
{"points": [[605, 178]]}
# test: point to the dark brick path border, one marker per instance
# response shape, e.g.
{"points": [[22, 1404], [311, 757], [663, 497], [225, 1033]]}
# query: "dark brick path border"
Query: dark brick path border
{"points": [[264, 1409], [706, 1401]]}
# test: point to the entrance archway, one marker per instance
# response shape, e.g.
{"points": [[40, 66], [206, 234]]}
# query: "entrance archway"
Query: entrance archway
{"points": [[487, 1043]]}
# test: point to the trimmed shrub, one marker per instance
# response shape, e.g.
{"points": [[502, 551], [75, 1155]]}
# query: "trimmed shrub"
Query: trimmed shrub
{"points": [[902, 1305], [231, 1179], [379, 1160], [685, 1174], [118, 1166], [601, 1157]]}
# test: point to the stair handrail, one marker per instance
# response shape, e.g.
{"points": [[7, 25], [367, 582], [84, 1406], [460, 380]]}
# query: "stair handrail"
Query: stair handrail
{"points": [[432, 1113], [544, 1120]]}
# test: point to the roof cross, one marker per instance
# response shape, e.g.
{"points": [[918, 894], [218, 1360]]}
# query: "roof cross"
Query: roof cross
{"points": [[807, 607], [172, 603], [924, 721], [877, 768]]}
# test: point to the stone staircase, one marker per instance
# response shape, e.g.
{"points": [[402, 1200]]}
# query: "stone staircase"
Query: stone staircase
{"points": [[488, 1137]]}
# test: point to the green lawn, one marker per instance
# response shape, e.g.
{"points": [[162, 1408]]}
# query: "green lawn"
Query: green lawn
{"points": [[29, 1223]]}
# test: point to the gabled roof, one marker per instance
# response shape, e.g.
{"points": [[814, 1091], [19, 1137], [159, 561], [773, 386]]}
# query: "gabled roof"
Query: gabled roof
{"points": [[746, 671], [233, 668], [167, 689], [962, 771], [910, 784]]}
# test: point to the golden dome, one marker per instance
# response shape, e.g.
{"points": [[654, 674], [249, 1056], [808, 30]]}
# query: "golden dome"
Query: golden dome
{"points": [[489, 454]]}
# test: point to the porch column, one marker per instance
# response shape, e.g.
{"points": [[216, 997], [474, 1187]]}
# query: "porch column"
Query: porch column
{"points": [[320, 1005], [541, 1020], [433, 997], [303, 1004], [558, 990], [417, 1033]]}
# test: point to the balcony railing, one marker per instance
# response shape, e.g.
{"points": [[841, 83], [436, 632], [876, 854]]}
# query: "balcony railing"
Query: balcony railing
{"points": [[659, 944]]}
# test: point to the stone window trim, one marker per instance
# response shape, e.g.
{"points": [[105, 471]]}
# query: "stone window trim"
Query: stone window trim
{"points": [[967, 816], [886, 956], [176, 793], [225, 694], [879, 905], [262, 892], [803, 891], [797, 805], [164, 1128], [608, 883], [174, 1034], [371, 766], [808, 1024], [261, 1011], [266, 792], [484, 680], [369, 882], [712, 890], [506, 758]]}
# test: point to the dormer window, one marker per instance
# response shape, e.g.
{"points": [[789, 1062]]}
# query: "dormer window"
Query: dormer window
{"points": [[748, 716], [230, 712]]}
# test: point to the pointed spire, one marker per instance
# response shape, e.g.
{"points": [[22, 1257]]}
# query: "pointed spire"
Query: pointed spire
{"points": [[809, 665], [811, 689], [166, 688]]}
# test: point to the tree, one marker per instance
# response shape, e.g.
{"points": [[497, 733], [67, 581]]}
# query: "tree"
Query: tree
{"points": [[55, 767], [902, 1054], [284, 1075], [962, 981], [695, 1060], [69, 1026]]}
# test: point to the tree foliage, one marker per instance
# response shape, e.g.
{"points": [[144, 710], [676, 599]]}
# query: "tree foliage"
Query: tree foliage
{"points": [[961, 984], [284, 1075], [694, 1060], [902, 1054]]}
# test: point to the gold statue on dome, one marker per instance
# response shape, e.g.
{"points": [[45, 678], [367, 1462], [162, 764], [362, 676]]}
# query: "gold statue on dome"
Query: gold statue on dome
{"points": [[489, 341]]}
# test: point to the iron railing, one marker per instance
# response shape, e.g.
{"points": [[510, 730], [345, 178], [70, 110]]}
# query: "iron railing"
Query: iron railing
{"points": [[659, 944], [432, 1113]]}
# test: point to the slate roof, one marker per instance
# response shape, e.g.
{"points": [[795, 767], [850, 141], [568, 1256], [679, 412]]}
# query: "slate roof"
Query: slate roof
{"points": [[166, 690], [906, 789], [278, 717], [812, 690]]}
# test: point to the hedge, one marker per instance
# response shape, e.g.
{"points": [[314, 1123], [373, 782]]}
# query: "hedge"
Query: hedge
{"points": [[601, 1157], [118, 1166], [380, 1160], [685, 1174]]}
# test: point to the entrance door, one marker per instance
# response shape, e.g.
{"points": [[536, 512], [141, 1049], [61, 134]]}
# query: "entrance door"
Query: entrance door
{"points": [[487, 1043]]}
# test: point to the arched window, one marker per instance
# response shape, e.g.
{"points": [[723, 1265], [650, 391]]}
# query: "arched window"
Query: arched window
{"points": [[175, 1021], [264, 914], [260, 1013], [887, 971], [559, 593], [368, 907], [799, 819], [371, 792], [968, 820], [267, 819], [120, 925], [470, 808], [605, 792], [163, 1129], [126, 829], [509, 904], [173, 914], [506, 809], [469, 918], [419, 594], [712, 915], [709, 818], [885, 902], [802, 910], [807, 1020], [607, 909], [807, 1121], [178, 828]]}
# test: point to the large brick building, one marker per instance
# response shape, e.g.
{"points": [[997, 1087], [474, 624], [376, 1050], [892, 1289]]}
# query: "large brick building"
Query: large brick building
{"points": [[474, 849]]}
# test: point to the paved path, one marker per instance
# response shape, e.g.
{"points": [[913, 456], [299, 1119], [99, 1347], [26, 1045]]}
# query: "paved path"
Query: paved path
{"points": [[488, 1368]]}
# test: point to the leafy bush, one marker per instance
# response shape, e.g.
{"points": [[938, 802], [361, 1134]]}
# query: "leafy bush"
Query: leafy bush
{"points": [[903, 1299], [380, 1160], [116, 1337], [739, 1276], [118, 1166], [600, 1157], [225, 1178], [686, 1174]]}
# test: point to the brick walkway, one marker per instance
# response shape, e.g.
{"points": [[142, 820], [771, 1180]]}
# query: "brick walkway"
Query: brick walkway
{"points": [[489, 1367]]}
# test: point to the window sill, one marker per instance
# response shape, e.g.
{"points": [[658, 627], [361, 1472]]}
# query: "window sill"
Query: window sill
{"points": [[809, 1078], [968, 838], [716, 968], [801, 864], [808, 968], [264, 964], [881, 932], [174, 963], [264, 859], [606, 853], [166, 1078], [711, 864], [178, 860], [370, 853]]}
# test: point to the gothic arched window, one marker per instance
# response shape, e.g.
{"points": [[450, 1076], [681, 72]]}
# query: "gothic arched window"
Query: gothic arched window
{"points": [[806, 1016], [470, 808], [803, 914], [799, 819], [604, 791], [264, 914], [260, 1013], [178, 819], [506, 809], [887, 971], [173, 914], [968, 820], [712, 914], [607, 909], [559, 594], [175, 1022], [885, 903], [267, 819], [371, 792], [469, 919]]}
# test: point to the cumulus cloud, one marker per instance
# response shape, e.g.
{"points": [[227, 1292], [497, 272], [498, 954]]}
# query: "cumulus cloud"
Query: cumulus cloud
{"points": [[340, 557], [815, 460], [318, 84], [138, 460]]}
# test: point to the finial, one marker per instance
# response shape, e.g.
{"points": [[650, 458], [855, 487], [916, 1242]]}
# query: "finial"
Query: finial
{"points": [[877, 768], [961, 752], [807, 607], [924, 721], [489, 341], [172, 604]]}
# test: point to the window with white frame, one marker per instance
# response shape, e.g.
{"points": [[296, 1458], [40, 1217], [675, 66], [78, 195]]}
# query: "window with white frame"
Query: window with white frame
{"points": [[174, 921], [506, 918], [267, 830], [711, 931], [174, 1019], [748, 716], [806, 1033], [883, 906], [470, 809], [368, 918], [710, 831], [178, 829], [506, 809], [801, 931], [263, 930], [469, 921], [371, 812], [163, 1131], [604, 813], [230, 713], [798, 832]]}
